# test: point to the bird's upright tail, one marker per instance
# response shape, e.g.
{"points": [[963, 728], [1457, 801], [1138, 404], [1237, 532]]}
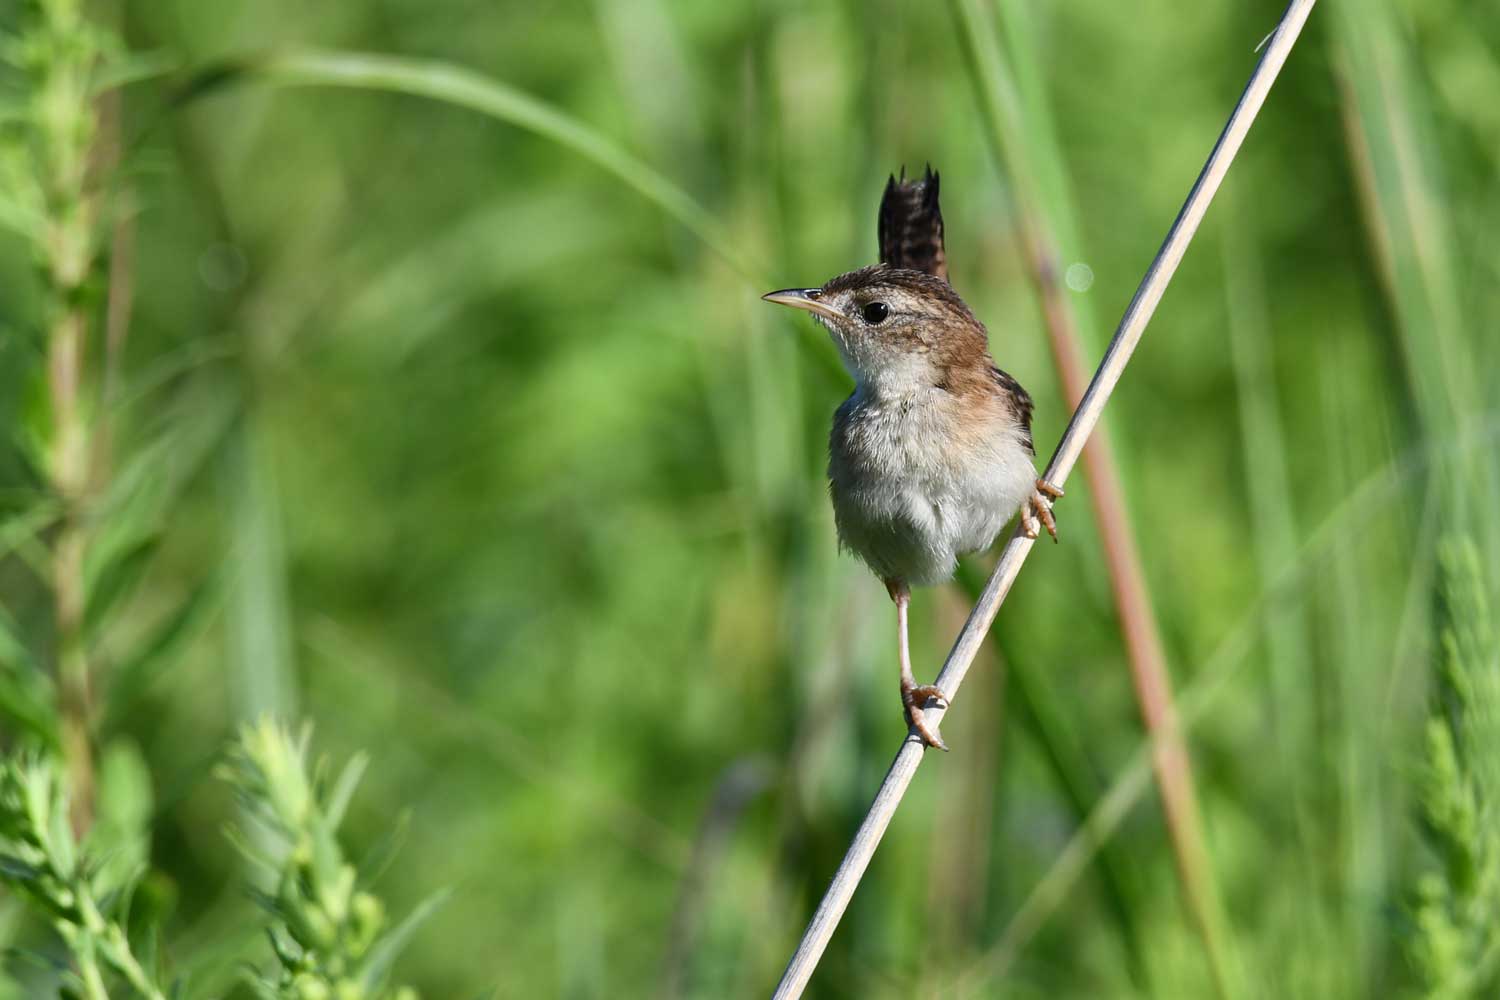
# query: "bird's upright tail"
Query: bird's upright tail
{"points": [[911, 225]]}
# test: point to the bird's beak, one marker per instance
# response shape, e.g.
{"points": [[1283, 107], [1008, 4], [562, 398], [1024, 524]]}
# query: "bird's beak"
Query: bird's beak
{"points": [[804, 298]]}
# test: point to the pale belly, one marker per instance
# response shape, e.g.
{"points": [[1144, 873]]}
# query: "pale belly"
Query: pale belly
{"points": [[910, 508]]}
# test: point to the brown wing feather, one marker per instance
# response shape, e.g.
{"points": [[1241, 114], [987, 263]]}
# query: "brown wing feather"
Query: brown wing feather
{"points": [[1020, 399], [910, 226]]}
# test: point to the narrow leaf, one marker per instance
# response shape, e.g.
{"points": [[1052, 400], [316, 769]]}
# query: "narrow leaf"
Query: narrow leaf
{"points": [[160, 651], [343, 789], [117, 578], [386, 950]]}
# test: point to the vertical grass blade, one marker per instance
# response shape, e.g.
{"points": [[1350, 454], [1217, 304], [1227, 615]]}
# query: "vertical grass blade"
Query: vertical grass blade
{"points": [[261, 672], [1397, 170]]}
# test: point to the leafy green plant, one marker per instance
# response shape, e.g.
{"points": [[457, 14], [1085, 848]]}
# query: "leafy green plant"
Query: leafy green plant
{"points": [[86, 900], [1456, 950], [331, 937], [54, 173]]}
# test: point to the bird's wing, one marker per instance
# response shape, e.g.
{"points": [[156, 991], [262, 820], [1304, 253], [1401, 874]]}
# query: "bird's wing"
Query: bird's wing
{"points": [[1021, 399], [911, 225]]}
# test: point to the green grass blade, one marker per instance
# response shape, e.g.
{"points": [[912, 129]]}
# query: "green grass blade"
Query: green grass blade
{"points": [[257, 610], [466, 88]]}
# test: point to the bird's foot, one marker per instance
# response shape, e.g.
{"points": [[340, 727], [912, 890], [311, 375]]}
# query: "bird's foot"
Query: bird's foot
{"points": [[1036, 513], [914, 698]]}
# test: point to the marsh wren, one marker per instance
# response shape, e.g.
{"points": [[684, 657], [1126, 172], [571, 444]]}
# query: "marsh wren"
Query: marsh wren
{"points": [[932, 454]]}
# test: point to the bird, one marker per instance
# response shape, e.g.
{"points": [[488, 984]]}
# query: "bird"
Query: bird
{"points": [[932, 454]]}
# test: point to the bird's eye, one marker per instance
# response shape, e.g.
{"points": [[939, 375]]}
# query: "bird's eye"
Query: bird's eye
{"points": [[875, 312]]}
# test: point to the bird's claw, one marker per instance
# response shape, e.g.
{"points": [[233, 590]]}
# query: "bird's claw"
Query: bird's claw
{"points": [[1036, 513], [913, 699]]}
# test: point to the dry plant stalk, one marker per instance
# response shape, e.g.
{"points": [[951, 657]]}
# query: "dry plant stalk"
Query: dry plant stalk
{"points": [[815, 939], [1144, 652], [63, 59], [1138, 625]]}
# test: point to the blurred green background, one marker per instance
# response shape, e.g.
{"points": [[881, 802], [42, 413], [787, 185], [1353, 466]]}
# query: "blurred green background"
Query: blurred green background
{"points": [[455, 443]]}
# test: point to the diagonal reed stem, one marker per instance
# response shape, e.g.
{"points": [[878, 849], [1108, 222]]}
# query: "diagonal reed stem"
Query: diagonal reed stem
{"points": [[888, 798]]}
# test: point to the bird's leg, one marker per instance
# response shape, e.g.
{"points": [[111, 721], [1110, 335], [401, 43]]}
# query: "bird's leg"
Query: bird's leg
{"points": [[914, 696], [1036, 512]]}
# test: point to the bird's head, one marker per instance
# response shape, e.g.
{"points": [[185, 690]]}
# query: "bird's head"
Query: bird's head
{"points": [[896, 329]]}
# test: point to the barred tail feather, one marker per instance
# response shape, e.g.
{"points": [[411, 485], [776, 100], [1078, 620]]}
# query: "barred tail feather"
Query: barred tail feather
{"points": [[911, 225]]}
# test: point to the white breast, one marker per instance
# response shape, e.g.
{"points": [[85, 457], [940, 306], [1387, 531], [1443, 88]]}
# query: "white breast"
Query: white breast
{"points": [[913, 489]]}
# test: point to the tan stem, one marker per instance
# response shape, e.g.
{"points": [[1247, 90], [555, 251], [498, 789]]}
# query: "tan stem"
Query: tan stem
{"points": [[1143, 647], [69, 479]]}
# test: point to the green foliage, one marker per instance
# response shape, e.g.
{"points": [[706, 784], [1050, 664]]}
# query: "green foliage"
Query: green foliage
{"points": [[1456, 951], [444, 413], [331, 937], [47, 138], [84, 898]]}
